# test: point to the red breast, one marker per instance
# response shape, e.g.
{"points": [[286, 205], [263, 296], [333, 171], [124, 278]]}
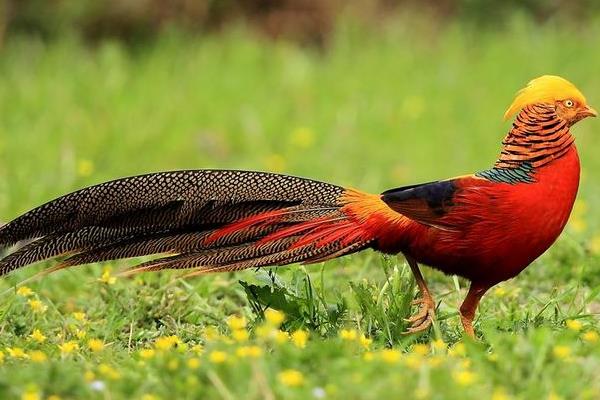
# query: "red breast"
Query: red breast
{"points": [[510, 225]]}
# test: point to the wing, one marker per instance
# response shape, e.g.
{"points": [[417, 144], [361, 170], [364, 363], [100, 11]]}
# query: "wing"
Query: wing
{"points": [[426, 203], [449, 204]]}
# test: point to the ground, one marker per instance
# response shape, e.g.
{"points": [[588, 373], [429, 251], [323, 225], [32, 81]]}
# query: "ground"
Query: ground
{"points": [[378, 110]]}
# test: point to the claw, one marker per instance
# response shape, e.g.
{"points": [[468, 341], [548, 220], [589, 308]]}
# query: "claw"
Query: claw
{"points": [[418, 316], [424, 318], [423, 325]]}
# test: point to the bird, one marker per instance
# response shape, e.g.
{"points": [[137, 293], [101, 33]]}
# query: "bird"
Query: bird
{"points": [[486, 227]]}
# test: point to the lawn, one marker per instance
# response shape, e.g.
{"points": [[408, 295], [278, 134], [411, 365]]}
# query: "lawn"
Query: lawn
{"points": [[380, 108]]}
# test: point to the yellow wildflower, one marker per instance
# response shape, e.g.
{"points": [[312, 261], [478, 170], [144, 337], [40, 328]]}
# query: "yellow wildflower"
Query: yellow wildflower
{"points": [[1, 357], [500, 394], [31, 394], [24, 291], [38, 356], [274, 317], [236, 323], [348, 334], [299, 338], [182, 347], [420, 349], [248, 352], [554, 396], [211, 334], [16, 352], [172, 365], [147, 353], [595, 244], [240, 335], [291, 377], [95, 345], [217, 357], [561, 352], [577, 221], [85, 168], [275, 162], [500, 292], [80, 316], [165, 343], [80, 333], [149, 397], [591, 336], [368, 356], [37, 306], [458, 350], [89, 376], [281, 336], [574, 325], [390, 356], [198, 349], [37, 336], [464, 377], [107, 278], [193, 363], [68, 347], [302, 137], [264, 331], [439, 345], [53, 397], [108, 371], [365, 342], [414, 360]]}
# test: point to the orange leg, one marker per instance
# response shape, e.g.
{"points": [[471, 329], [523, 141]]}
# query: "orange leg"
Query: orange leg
{"points": [[469, 306], [423, 319]]}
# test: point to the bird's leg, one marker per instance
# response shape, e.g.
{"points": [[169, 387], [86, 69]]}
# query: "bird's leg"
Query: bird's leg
{"points": [[469, 306], [423, 319]]}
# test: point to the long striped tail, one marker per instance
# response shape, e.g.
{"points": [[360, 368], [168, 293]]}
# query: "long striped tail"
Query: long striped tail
{"points": [[203, 220]]}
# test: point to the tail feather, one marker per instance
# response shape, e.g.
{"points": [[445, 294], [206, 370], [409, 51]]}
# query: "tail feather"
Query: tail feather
{"points": [[176, 243], [179, 194], [205, 220], [283, 258], [62, 244], [213, 257]]}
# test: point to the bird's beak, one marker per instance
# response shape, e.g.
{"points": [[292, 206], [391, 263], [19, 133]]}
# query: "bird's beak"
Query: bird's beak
{"points": [[587, 112]]}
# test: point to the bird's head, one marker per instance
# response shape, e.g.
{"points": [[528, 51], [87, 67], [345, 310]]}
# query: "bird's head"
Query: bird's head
{"points": [[569, 102]]}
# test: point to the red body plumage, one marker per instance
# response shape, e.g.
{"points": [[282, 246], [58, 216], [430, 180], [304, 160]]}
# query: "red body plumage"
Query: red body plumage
{"points": [[505, 226]]}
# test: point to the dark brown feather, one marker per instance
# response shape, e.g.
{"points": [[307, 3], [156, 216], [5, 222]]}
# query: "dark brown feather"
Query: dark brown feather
{"points": [[167, 213]]}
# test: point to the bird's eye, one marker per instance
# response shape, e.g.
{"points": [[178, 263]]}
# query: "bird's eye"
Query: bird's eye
{"points": [[568, 103]]}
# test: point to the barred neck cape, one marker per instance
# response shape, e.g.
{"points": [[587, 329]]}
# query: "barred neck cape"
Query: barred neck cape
{"points": [[537, 137]]}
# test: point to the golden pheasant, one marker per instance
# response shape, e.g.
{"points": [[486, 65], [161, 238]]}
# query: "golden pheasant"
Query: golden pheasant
{"points": [[486, 227]]}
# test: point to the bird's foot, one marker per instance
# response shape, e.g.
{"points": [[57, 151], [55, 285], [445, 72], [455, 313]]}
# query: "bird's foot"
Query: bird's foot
{"points": [[424, 318]]}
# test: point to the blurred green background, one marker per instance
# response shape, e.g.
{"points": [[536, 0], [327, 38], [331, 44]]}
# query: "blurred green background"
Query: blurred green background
{"points": [[369, 94]]}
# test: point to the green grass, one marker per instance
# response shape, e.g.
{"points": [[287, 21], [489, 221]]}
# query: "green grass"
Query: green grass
{"points": [[380, 109]]}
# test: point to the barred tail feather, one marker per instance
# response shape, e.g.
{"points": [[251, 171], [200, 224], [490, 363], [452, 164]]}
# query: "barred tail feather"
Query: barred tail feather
{"points": [[203, 220]]}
